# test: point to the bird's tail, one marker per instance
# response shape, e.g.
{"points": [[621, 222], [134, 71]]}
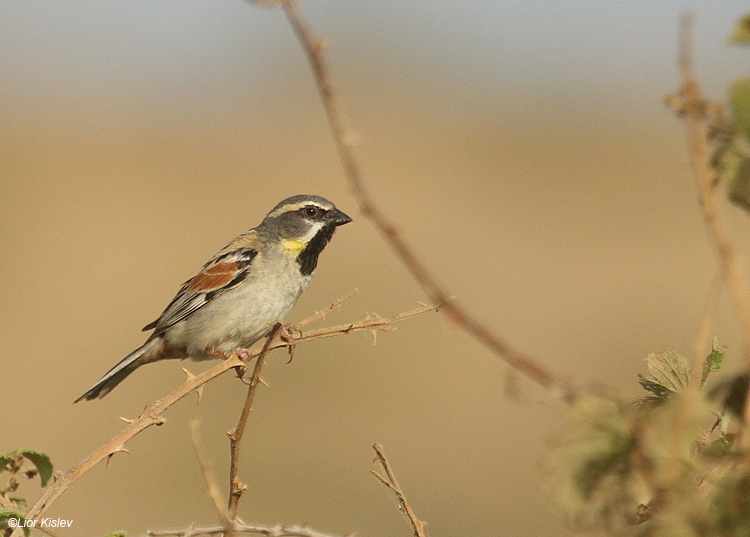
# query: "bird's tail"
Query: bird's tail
{"points": [[124, 368]]}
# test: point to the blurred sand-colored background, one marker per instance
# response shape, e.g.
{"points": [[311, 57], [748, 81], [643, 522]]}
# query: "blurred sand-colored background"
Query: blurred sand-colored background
{"points": [[523, 149]]}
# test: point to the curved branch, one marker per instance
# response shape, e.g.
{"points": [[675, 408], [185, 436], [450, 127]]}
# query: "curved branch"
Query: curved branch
{"points": [[314, 50]]}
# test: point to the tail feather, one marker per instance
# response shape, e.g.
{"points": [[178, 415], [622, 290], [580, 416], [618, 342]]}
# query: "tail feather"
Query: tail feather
{"points": [[119, 372]]}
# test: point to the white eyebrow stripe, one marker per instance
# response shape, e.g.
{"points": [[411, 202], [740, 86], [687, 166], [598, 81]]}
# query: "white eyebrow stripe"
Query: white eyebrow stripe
{"points": [[297, 206]]}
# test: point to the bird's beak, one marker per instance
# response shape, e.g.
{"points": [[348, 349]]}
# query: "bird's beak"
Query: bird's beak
{"points": [[338, 218]]}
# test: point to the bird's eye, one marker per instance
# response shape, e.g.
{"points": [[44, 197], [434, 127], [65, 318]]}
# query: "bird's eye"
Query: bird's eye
{"points": [[311, 211]]}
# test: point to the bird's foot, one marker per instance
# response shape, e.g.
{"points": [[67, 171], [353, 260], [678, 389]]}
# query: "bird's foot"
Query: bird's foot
{"points": [[245, 355], [287, 334]]}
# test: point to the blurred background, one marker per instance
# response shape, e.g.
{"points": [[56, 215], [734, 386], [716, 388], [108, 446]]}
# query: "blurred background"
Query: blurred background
{"points": [[521, 146]]}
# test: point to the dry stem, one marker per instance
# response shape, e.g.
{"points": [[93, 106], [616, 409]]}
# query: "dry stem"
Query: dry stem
{"points": [[152, 415], [391, 482], [235, 436], [314, 50]]}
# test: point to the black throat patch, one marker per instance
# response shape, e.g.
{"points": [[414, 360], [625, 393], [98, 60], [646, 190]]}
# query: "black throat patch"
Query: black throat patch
{"points": [[308, 258]]}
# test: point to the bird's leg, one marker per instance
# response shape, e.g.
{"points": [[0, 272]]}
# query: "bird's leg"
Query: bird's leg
{"points": [[287, 333]]}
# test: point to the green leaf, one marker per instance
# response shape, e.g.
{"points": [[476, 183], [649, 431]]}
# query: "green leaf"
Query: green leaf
{"points": [[5, 517], [4, 461], [668, 373], [42, 463], [10, 462], [713, 360], [40, 460], [716, 356], [741, 32], [659, 391], [117, 534], [739, 101], [19, 501]]}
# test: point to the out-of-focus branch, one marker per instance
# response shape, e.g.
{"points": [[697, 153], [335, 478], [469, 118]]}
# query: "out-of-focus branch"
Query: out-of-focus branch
{"points": [[694, 107], [209, 477], [343, 139], [389, 480], [268, 531], [153, 414]]}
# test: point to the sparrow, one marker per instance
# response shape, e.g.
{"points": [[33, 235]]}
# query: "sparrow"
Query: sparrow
{"points": [[240, 293]]}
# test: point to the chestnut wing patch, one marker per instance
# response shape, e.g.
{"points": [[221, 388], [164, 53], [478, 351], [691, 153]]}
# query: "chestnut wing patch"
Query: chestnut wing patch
{"points": [[217, 276]]}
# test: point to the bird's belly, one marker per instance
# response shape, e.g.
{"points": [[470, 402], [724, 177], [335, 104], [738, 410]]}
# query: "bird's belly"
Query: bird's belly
{"points": [[236, 318]]}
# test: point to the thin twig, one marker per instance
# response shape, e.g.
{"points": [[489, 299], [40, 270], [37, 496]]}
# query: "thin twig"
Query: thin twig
{"points": [[325, 311], [208, 475], [235, 436], [343, 140], [368, 324], [391, 482], [152, 415], [268, 531], [694, 108]]}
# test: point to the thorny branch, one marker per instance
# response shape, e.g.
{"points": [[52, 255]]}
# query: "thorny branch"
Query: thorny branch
{"points": [[390, 481], [153, 414], [343, 139], [235, 436]]}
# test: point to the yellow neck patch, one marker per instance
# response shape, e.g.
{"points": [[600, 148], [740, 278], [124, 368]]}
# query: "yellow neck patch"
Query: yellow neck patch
{"points": [[293, 246]]}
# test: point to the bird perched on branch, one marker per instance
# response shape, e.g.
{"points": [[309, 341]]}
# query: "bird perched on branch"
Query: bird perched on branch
{"points": [[244, 289]]}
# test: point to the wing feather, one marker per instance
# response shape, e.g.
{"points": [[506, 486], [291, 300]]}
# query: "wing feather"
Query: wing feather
{"points": [[224, 271]]}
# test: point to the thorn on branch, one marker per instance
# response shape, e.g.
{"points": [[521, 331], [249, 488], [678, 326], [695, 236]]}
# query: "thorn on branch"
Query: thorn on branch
{"points": [[199, 389], [322, 313]]}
